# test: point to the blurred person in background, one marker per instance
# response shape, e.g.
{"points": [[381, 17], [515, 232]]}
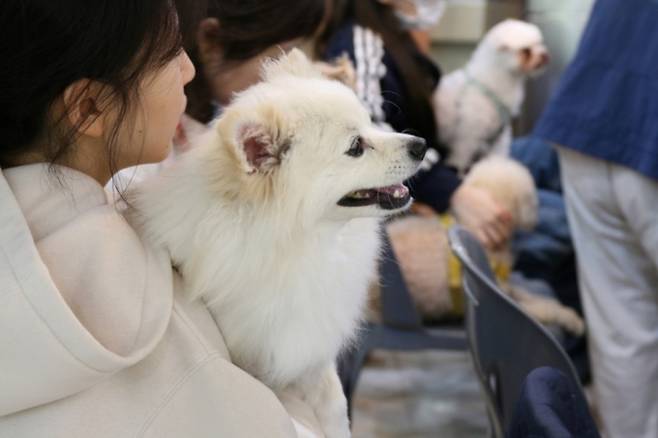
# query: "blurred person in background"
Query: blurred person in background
{"points": [[232, 41], [604, 117]]}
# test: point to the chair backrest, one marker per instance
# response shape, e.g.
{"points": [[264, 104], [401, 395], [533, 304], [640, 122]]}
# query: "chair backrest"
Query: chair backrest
{"points": [[505, 343]]}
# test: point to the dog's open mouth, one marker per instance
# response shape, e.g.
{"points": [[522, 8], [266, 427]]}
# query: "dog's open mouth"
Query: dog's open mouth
{"points": [[388, 198]]}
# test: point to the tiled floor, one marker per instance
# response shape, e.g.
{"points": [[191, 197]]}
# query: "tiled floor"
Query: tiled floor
{"points": [[419, 395]]}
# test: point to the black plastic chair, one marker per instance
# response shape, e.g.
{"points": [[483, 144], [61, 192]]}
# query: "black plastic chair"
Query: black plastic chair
{"points": [[401, 327], [505, 343]]}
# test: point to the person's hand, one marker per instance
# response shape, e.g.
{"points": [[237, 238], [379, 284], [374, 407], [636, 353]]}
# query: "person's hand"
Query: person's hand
{"points": [[477, 211]]}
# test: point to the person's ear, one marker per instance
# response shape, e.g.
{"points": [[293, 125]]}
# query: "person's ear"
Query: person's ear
{"points": [[83, 105], [207, 40]]}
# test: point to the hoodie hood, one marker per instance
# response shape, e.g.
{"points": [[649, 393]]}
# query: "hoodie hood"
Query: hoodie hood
{"points": [[81, 297]]}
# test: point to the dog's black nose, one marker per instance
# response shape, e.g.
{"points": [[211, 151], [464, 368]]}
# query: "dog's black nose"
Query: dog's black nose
{"points": [[417, 148]]}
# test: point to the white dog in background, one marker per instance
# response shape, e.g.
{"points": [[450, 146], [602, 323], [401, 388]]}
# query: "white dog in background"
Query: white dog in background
{"points": [[475, 105], [273, 221]]}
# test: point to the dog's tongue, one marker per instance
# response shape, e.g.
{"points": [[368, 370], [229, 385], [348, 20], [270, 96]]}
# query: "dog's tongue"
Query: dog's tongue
{"points": [[396, 191]]}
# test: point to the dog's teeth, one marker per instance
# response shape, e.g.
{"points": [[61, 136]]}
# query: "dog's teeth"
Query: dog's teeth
{"points": [[397, 194], [360, 195]]}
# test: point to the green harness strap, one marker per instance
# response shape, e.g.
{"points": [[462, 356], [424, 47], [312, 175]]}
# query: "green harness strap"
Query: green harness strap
{"points": [[503, 111]]}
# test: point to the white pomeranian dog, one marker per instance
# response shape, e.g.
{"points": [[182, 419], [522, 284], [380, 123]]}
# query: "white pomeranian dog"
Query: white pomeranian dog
{"points": [[273, 220], [475, 105]]}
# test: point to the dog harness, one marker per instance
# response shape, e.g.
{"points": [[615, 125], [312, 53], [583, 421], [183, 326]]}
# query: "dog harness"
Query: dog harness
{"points": [[503, 111]]}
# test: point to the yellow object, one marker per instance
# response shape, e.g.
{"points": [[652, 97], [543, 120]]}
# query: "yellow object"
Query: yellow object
{"points": [[501, 271]]}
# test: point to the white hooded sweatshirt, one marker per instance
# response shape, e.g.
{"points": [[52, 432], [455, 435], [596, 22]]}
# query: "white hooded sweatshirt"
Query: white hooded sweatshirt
{"points": [[95, 339]]}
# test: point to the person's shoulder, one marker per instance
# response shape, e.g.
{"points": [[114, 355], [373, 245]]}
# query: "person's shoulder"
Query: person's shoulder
{"points": [[105, 272]]}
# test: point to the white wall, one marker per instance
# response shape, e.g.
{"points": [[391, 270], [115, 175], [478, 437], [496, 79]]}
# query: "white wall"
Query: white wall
{"points": [[463, 25]]}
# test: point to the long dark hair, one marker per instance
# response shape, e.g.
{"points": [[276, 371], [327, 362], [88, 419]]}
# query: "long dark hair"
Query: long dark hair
{"points": [[246, 29], [381, 19], [45, 46]]}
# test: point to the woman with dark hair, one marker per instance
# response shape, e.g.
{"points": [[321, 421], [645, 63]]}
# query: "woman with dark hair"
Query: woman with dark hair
{"points": [[97, 339], [235, 37], [395, 81]]}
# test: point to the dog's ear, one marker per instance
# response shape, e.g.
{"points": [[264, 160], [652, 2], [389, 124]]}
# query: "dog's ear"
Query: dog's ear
{"points": [[294, 63], [261, 146]]}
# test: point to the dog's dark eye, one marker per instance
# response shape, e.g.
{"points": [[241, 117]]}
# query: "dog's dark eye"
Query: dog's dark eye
{"points": [[356, 148]]}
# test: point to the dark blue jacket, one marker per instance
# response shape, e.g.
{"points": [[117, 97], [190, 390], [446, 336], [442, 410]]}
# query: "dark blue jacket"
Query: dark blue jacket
{"points": [[606, 104]]}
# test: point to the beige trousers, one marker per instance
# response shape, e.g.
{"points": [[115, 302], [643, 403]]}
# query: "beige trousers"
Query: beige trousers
{"points": [[613, 214]]}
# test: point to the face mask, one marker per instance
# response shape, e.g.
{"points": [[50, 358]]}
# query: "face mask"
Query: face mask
{"points": [[428, 13]]}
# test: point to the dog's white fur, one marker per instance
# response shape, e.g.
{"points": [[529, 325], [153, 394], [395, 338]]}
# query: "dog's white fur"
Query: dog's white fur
{"points": [[251, 220], [470, 123]]}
